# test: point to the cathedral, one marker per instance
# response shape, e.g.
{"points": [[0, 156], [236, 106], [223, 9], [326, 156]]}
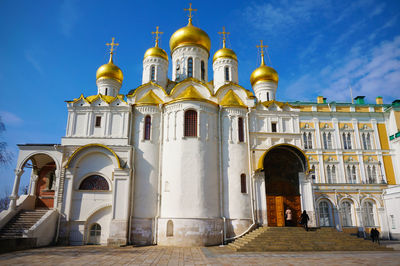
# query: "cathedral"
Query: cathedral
{"points": [[196, 159]]}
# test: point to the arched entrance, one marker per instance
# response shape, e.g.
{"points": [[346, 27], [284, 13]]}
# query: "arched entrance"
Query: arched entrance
{"points": [[43, 179], [282, 165]]}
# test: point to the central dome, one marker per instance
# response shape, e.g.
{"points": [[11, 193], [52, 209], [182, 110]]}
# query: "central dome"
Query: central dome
{"points": [[190, 35]]}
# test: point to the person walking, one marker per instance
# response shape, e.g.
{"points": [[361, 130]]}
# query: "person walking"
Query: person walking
{"points": [[377, 236], [304, 220], [373, 235], [288, 217]]}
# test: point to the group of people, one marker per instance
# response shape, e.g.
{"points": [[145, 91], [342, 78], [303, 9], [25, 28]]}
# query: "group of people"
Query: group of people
{"points": [[374, 235], [303, 218]]}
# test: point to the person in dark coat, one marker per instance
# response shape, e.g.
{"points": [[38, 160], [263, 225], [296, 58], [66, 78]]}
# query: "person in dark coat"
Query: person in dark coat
{"points": [[377, 236], [304, 220], [373, 235]]}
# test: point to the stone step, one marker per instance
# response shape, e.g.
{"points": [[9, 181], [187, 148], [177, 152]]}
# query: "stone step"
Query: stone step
{"points": [[23, 220]]}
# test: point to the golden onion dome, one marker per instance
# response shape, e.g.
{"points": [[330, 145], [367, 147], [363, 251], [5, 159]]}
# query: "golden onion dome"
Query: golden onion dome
{"points": [[109, 71], [190, 35], [225, 53], [263, 73], [157, 52]]}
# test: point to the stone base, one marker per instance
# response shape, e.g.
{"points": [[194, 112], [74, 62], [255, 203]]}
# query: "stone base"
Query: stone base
{"points": [[118, 233], [235, 227], [190, 232], [142, 231]]}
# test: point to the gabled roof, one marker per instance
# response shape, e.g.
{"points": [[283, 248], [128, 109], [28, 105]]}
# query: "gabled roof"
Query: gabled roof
{"points": [[232, 100], [189, 93], [267, 104], [106, 98], [150, 98]]}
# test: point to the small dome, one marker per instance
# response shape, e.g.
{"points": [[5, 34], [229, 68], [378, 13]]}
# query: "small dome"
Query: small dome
{"points": [[157, 52], [225, 53], [264, 73], [109, 71], [190, 35]]}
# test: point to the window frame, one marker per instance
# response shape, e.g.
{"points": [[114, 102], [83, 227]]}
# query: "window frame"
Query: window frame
{"points": [[152, 73], [190, 67], [85, 178], [243, 183], [240, 129], [97, 121], [147, 127], [190, 128], [203, 70]]}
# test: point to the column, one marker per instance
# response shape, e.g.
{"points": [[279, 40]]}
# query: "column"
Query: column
{"points": [[34, 178], [260, 198], [307, 197], [14, 194]]}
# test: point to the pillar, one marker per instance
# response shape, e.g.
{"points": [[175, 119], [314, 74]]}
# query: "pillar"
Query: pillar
{"points": [[14, 194]]}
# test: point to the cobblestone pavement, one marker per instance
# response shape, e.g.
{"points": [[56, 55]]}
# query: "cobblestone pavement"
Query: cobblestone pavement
{"points": [[98, 255]]}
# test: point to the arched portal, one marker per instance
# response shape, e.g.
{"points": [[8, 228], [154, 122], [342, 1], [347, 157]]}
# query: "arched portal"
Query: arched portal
{"points": [[282, 166]]}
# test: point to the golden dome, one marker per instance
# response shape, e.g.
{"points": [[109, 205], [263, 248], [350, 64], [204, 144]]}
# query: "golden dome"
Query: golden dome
{"points": [[190, 35], [109, 71], [157, 52], [225, 53], [263, 73]]}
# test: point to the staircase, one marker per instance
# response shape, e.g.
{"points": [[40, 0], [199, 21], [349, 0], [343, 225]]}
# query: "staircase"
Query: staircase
{"points": [[297, 239], [24, 220]]}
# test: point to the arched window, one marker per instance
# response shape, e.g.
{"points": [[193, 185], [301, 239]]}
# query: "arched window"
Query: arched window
{"points": [[170, 228], [94, 182], [324, 214], [240, 129], [94, 234], [190, 67], [371, 174], [351, 174], [331, 174], [307, 139], [327, 139], [346, 213], [243, 187], [226, 73], [153, 73], [190, 123], [203, 71], [366, 139], [346, 141], [147, 127], [368, 214]]}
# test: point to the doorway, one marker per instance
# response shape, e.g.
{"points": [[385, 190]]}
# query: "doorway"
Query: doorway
{"points": [[282, 165], [45, 187]]}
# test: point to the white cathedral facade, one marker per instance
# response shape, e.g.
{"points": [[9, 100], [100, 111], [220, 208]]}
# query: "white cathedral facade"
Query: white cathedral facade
{"points": [[198, 159]]}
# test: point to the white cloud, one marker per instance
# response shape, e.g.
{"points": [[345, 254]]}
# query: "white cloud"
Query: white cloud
{"points": [[371, 72], [34, 62], [69, 16], [10, 118]]}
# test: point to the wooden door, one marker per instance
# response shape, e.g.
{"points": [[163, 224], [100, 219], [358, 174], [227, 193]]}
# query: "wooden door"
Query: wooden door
{"points": [[275, 211], [293, 203]]}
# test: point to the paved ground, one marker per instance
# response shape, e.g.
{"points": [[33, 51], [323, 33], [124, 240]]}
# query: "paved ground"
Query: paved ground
{"points": [[98, 255]]}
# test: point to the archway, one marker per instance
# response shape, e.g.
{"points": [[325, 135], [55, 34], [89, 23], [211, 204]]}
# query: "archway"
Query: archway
{"points": [[42, 178], [282, 165]]}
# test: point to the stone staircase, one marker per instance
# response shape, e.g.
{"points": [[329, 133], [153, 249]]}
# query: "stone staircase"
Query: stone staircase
{"points": [[24, 220], [297, 239]]}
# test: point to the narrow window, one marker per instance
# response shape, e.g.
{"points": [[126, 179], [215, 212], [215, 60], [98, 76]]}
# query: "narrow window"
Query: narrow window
{"points": [[170, 228], [153, 73], [191, 123], [243, 187], [329, 141], [147, 127], [94, 234], [190, 67], [348, 141], [366, 138], [267, 96], [324, 214], [203, 71], [98, 121], [325, 139], [273, 127], [309, 140], [226, 74], [393, 221], [240, 129], [344, 141], [106, 93], [305, 141], [313, 175]]}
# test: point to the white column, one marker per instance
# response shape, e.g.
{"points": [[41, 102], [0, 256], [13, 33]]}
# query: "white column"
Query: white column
{"points": [[307, 197], [14, 194], [34, 178]]}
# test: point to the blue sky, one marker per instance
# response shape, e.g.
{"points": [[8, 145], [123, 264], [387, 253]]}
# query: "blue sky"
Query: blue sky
{"points": [[50, 51]]}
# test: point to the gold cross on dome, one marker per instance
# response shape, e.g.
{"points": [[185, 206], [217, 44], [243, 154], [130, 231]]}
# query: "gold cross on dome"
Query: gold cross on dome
{"points": [[190, 9], [262, 46], [112, 44], [156, 33], [224, 33]]}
